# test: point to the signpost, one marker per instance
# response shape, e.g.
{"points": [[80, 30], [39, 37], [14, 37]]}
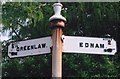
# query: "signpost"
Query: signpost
{"points": [[30, 47], [90, 45], [59, 44]]}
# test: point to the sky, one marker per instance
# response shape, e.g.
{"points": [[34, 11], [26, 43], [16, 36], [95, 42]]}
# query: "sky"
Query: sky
{"points": [[3, 36]]}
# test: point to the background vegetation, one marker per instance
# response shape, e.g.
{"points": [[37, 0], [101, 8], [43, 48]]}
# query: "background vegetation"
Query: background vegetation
{"points": [[27, 20]]}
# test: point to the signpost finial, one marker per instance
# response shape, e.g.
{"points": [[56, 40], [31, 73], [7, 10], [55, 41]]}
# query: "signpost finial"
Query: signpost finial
{"points": [[57, 10]]}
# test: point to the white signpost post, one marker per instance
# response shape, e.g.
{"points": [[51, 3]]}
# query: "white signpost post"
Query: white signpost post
{"points": [[89, 45], [30, 47]]}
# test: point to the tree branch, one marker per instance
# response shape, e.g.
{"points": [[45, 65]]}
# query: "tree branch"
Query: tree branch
{"points": [[18, 36]]}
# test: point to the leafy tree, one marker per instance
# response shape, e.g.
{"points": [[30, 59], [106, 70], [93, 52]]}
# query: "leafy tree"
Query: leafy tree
{"points": [[27, 20]]}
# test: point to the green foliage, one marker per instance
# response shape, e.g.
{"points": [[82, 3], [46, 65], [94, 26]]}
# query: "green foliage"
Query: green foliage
{"points": [[28, 20]]}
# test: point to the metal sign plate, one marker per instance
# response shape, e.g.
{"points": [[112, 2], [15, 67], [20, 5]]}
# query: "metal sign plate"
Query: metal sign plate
{"points": [[30, 47], [90, 45]]}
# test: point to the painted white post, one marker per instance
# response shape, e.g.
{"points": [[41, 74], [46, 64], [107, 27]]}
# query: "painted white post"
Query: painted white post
{"points": [[57, 23]]}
